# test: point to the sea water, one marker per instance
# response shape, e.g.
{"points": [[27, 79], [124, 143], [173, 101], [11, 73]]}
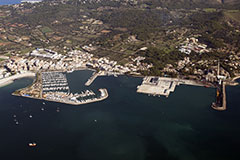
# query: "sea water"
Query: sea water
{"points": [[125, 126]]}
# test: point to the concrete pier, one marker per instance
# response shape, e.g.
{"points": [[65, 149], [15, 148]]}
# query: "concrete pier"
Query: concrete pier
{"points": [[162, 85], [92, 78]]}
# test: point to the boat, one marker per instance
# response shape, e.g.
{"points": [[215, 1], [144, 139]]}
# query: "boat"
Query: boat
{"points": [[70, 71], [32, 144]]}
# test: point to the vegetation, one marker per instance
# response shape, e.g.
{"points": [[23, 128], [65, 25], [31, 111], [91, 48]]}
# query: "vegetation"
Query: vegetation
{"points": [[119, 29]]}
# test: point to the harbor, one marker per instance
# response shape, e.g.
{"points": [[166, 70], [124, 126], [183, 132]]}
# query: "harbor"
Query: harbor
{"points": [[53, 86], [54, 123]]}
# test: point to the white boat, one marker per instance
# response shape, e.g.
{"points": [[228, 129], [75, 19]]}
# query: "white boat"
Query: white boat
{"points": [[32, 144]]}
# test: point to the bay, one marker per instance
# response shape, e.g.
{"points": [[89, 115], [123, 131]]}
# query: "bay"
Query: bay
{"points": [[126, 126]]}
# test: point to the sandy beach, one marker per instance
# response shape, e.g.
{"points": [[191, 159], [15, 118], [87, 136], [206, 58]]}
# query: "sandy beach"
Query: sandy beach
{"points": [[9, 80]]}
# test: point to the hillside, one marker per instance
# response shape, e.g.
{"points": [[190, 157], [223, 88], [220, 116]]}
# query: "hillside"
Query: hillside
{"points": [[119, 29]]}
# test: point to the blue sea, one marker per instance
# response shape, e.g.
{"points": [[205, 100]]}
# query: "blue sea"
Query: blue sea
{"points": [[125, 126], [6, 2]]}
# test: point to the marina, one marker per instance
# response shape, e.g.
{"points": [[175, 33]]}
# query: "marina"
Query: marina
{"points": [[53, 86], [54, 81], [87, 97]]}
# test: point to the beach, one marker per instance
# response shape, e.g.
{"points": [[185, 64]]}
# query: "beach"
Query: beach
{"points": [[9, 80]]}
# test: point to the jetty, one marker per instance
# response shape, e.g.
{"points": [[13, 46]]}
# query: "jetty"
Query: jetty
{"points": [[93, 77]]}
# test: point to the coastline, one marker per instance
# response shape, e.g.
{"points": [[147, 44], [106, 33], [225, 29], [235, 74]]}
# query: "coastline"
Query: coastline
{"points": [[176, 81], [3, 84], [9, 80]]}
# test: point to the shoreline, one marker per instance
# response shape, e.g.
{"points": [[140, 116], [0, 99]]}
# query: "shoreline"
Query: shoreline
{"points": [[177, 81], [3, 84], [9, 80]]}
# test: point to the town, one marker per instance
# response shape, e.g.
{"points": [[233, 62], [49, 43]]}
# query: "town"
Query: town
{"points": [[47, 60]]}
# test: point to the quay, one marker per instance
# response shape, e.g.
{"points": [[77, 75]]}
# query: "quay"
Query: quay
{"points": [[162, 85]]}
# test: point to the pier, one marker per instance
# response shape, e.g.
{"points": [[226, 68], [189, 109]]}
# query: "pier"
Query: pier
{"points": [[92, 78]]}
